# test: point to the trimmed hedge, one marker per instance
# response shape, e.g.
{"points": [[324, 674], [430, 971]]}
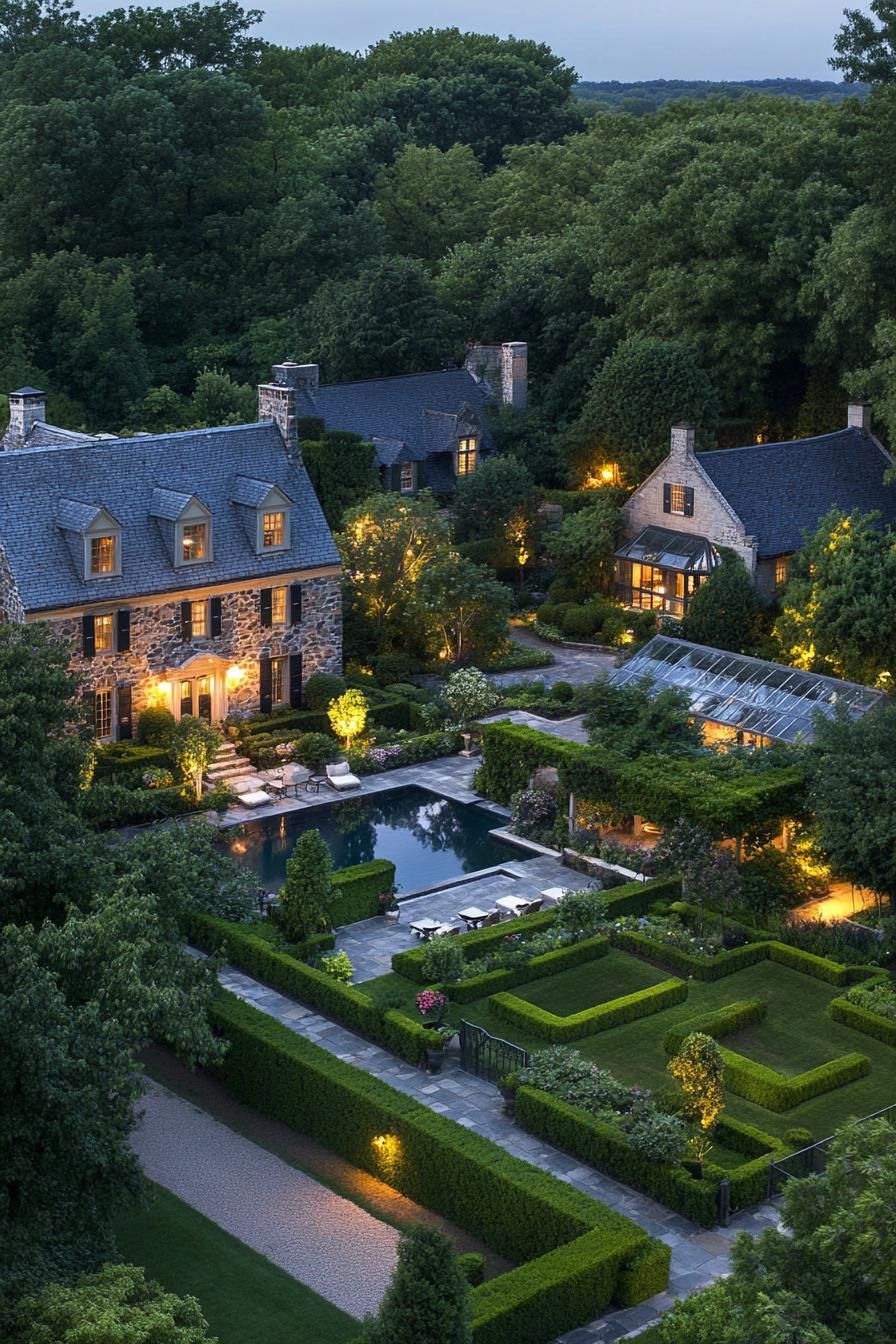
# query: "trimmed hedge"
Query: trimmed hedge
{"points": [[358, 890], [701, 968], [578, 1255], [860, 1019], [120, 757], [820, 968], [605, 1147], [548, 963], [766, 1087], [345, 1004], [558, 1030], [717, 1024], [511, 752]]}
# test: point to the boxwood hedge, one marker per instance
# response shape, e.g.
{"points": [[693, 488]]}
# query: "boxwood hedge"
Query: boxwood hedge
{"points": [[358, 890], [549, 963], [575, 1256], [717, 1024], [860, 1019], [766, 1087], [548, 1026]]}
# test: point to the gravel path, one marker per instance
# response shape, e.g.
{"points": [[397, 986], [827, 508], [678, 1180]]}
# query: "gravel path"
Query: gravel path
{"points": [[318, 1237]]}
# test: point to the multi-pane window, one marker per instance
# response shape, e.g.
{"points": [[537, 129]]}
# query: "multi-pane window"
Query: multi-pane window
{"points": [[407, 476], [273, 528], [102, 555], [782, 569], [102, 712], [677, 498], [278, 606], [194, 542], [103, 633], [466, 456], [278, 681], [199, 619]]}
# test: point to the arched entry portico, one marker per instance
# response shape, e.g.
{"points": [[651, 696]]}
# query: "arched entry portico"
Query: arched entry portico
{"points": [[199, 687]]}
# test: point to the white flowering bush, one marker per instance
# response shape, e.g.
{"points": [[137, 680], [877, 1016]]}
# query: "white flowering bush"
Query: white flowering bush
{"points": [[469, 694]]}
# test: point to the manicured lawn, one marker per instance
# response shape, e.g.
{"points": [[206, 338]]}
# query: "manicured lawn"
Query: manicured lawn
{"points": [[243, 1296], [797, 1034]]}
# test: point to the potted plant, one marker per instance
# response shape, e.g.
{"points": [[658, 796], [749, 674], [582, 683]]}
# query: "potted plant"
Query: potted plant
{"points": [[390, 907], [432, 1005], [507, 1086]]}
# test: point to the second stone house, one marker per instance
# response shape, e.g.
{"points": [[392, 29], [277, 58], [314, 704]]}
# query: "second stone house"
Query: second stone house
{"points": [[191, 570], [759, 501]]}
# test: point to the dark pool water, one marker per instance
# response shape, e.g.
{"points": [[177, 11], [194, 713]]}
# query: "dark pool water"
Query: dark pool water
{"points": [[429, 839]]}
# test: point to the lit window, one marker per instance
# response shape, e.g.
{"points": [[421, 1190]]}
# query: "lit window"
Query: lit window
{"points": [[278, 681], [193, 543], [782, 569], [199, 619], [102, 555], [407, 476], [466, 456], [102, 713], [278, 606], [102, 633], [273, 529], [676, 498]]}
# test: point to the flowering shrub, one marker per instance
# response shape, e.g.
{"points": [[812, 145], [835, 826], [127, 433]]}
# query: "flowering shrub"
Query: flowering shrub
{"points": [[469, 694], [639, 858], [284, 751], [875, 999], [565, 1074], [534, 814], [431, 1005], [665, 929], [155, 777], [381, 757]]}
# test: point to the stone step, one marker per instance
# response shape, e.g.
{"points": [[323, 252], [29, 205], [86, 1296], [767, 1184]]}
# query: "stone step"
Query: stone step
{"points": [[237, 767], [225, 750]]}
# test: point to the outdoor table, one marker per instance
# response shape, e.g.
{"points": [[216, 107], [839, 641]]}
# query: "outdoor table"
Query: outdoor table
{"points": [[277, 784], [425, 928], [473, 917], [510, 904], [313, 783]]}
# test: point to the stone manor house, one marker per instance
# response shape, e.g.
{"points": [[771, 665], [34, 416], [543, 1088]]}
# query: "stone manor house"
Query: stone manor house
{"points": [[759, 500], [191, 570]]}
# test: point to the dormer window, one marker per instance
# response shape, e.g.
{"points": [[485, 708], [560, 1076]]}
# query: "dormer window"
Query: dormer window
{"points": [[193, 543], [103, 555], [273, 529]]}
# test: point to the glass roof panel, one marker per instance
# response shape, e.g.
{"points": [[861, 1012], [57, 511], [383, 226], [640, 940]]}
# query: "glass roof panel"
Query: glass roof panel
{"points": [[744, 693]]}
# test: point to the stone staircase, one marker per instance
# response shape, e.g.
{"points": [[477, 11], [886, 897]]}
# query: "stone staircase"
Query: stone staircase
{"points": [[226, 766]]}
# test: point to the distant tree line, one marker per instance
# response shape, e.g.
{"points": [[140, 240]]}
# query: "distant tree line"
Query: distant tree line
{"points": [[649, 95]]}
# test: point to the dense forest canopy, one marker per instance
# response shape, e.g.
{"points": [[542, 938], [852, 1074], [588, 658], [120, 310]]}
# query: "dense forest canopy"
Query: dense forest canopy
{"points": [[182, 197], [644, 96]]}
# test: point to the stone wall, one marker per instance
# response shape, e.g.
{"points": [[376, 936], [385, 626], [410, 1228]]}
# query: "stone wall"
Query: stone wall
{"points": [[11, 608], [158, 650], [712, 518]]}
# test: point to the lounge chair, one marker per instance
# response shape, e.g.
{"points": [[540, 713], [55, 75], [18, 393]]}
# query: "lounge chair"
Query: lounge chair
{"points": [[493, 917], [250, 792], [446, 929], [340, 777], [531, 909]]}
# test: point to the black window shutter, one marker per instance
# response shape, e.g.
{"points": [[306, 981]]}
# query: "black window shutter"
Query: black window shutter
{"points": [[264, 606], [88, 637], [667, 498], [396, 478], [688, 501], [124, 631], [265, 685], [214, 616], [295, 681], [125, 728], [186, 621], [295, 603]]}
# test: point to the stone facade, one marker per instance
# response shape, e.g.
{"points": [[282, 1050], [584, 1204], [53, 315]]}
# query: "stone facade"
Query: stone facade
{"points": [[159, 658], [504, 367], [712, 516], [11, 608]]}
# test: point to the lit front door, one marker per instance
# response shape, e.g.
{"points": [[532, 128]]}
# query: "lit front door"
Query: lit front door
{"points": [[186, 698], [204, 698]]}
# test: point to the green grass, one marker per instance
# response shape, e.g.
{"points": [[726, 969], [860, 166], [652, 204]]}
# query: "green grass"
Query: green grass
{"points": [[595, 982], [243, 1296]]}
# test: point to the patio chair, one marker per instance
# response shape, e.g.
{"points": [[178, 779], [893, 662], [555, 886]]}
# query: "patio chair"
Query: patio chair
{"points": [[249, 791], [531, 909], [341, 778]]}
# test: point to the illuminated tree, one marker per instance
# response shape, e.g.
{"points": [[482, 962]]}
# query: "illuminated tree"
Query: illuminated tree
{"points": [[470, 694], [698, 1068], [463, 610], [193, 743], [348, 715]]}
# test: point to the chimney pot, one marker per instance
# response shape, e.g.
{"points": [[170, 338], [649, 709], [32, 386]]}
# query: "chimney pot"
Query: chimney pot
{"points": [[858, 416]]}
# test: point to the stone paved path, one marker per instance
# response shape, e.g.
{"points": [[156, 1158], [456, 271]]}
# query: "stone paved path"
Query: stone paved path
{"points": [[332, 1245], [698, 1256], [577, 666]]}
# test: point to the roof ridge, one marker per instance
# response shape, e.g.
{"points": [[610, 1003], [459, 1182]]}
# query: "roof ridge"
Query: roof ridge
{"points": [[780, 443], [396, 377]]}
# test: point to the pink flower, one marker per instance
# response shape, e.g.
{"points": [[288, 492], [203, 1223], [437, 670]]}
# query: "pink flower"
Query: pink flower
{"points": [[430, 1001]]}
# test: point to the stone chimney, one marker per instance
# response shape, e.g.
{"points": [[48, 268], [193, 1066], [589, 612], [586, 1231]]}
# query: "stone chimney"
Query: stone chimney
{"points": [[682, 441], [858, 416], [504, 367], [279, 400], [26, 407]]}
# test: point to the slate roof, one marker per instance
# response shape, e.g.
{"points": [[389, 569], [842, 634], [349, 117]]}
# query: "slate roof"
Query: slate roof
{"points": [[781, 490], [416, 409], [121, 475]]}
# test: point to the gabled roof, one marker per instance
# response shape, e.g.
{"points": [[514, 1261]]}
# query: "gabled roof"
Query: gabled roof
{"points": [[671, 550], [251, 492], [122, 475], [171, 504], [402, 408], [781, 490], [75, 516]]}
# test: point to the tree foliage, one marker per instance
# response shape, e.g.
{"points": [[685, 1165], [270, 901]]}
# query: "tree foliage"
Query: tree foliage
{"points": [[427, 1301], [308, 889], [724, 610], [582, 547], [867, 50], [117, 1303]]}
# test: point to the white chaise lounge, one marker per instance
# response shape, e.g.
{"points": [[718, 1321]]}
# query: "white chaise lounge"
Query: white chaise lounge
{"points": [[250, 791], [340, 777]]}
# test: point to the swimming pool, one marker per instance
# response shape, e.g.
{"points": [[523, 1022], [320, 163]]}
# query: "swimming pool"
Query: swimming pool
{"points": [[429, 838]]}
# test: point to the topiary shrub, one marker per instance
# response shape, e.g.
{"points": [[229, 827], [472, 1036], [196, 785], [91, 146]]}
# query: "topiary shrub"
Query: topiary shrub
{"points": [[798, 1137], [155, 726], [314, 750], [306, 894], [392, 666], [321, 688], [578, 622], [563, 692], [472, 1265]]}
